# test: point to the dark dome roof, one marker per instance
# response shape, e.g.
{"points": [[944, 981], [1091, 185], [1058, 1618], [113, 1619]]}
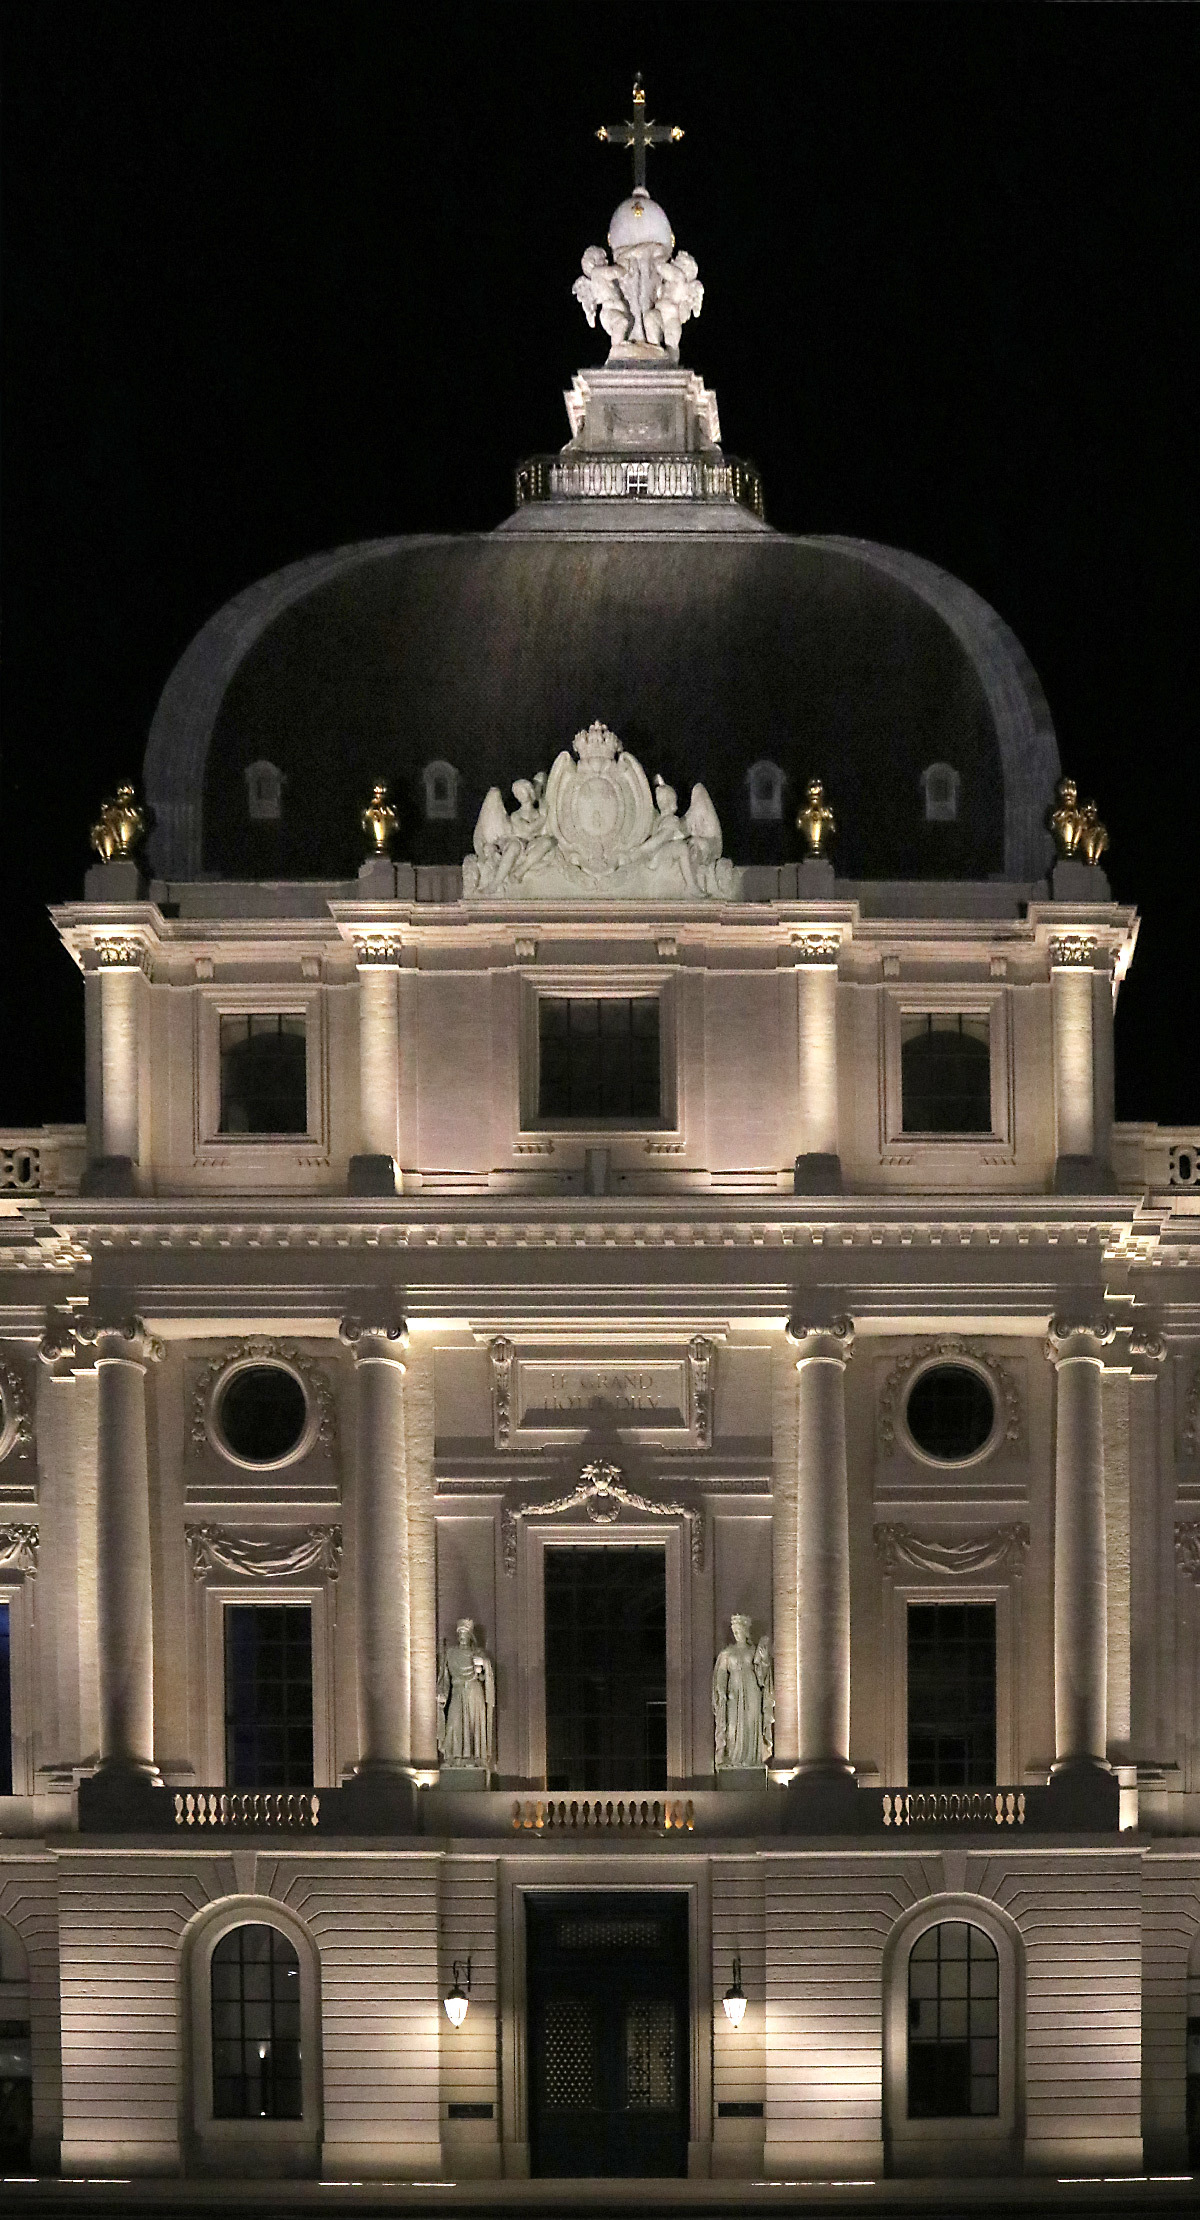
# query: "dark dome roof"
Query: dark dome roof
{"points": [[706, 648]]}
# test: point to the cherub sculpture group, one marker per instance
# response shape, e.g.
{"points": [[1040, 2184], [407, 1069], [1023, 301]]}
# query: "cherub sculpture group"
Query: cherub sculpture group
{"points": [[642, 298]]}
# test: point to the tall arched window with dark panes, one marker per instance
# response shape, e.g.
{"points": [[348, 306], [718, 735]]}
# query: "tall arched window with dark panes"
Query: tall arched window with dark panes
{"points": [[6, 1763], [953, 2024], [16, 2055], [256, 2026]]}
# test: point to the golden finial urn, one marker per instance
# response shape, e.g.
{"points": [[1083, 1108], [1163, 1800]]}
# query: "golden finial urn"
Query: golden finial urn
{"points": [[379, 822], [120, 828], [1079, 835], [816, 820]]}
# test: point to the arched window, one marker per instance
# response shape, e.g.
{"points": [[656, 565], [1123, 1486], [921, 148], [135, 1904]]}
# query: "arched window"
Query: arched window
{"points": [[440, 782], [1192, 2061], [264, 790], [16, 2057], [953, 2024], [764, 790], [253, 2041], [953, 2039], [255, 1976], [940, 789]]}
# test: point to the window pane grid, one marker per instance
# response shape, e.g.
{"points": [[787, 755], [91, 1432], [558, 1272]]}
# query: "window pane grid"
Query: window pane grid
{"points": [[268, 1696], [6, 1764], [599, 1057], [953, 2024], [264, 1085], [945, 1073], [951, 1695], [256, 2026], [606, 1696]]}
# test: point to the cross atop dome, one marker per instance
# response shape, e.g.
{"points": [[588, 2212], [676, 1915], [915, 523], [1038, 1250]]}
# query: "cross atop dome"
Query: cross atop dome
{"points": [[636, 135]]}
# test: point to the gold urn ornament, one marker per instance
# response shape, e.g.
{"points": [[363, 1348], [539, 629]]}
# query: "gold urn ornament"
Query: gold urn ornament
{"points": [[816, 820], [120, 828], [1093, 836], [379, 822]]}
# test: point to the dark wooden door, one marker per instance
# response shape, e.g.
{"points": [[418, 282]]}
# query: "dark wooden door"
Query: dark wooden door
{"points": [[607, 1980]]}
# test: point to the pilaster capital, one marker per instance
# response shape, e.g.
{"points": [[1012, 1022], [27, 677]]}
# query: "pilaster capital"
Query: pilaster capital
{"points": [[65, 1340], [1072, 951], [124, 1340], [1149, 1347], [829, 1341], [376, 1340], [1072, 1338], [376, 952]]}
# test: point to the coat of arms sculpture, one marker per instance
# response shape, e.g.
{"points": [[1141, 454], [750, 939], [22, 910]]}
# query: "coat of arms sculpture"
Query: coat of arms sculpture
{"points": [[594, 828]]}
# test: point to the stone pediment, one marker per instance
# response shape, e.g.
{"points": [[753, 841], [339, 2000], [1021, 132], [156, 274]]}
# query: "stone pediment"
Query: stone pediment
{"points": [[593, 829]]}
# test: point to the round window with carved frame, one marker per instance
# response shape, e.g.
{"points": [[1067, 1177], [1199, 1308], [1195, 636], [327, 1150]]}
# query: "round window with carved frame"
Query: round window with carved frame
{"points": [[952, 1413], [260, 1414]]}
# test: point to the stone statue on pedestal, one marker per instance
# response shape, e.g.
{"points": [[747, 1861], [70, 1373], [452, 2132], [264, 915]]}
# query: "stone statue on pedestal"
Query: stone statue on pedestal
{"points": [[466, 1702], [743, 1699]]}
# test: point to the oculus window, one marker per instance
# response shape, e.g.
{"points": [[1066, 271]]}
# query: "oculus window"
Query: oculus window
{"points": [[606, 1668], [953, 2024], [945, 1073], [599, 1058], [255, 1977], [261, 1414], [950, 1413], [268, 1695], [264, 1077], [951, 1695]]}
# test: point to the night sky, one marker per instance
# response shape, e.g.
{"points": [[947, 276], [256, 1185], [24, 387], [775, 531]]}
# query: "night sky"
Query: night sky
{"points": [[282, 276]]}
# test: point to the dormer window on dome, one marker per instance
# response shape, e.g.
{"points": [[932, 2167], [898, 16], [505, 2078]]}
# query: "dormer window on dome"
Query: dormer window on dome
{"points": [[940, 789], [764, 792], [264, 791], [440, 783]]}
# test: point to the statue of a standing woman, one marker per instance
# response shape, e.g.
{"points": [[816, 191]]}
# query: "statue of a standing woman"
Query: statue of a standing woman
{"points": [[743, 1698], [466, 1701]]}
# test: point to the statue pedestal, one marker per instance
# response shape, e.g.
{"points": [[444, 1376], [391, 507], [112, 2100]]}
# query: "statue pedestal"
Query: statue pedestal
{"points": [[648, 408], [742, 1777], [456, 1778]]}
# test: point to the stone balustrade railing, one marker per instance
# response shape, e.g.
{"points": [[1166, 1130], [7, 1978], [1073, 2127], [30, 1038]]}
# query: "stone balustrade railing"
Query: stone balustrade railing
{"points": [[254, 1808], [954, 1807], [46, 1160], [1156, 1159], [579, 1814]]}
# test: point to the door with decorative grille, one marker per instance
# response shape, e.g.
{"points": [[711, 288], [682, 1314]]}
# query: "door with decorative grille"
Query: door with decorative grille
{"points": [[607, 1980]]}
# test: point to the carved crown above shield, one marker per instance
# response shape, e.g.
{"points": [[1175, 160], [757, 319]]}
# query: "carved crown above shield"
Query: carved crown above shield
{"points": [[594, 827]]}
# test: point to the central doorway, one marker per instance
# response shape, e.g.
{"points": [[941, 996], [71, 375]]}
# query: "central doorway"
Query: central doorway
{"points": [[607, 1980]]}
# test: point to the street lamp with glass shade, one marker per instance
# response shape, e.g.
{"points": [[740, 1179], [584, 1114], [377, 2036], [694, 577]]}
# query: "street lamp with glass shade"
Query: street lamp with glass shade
{"points": [[734, 1999], [457, 1999]]}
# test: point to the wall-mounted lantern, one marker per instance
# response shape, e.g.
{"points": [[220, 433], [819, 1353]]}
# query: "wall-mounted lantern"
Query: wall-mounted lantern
{"points": [[457, 1999], [734, 1999]]}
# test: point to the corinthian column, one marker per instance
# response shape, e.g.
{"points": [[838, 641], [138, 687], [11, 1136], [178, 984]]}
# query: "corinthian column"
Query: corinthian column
{"points": [[817, 1164], [382, 1551], [123, 1581], [813, 1584], [1075, 1349]]}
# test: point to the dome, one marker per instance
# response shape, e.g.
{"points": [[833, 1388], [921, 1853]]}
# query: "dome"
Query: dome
{"points": [[640, 222], [708, 642]]}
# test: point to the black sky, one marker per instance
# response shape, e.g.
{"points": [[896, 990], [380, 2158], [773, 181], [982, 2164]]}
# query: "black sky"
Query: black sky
{"points": [[280, 276]]}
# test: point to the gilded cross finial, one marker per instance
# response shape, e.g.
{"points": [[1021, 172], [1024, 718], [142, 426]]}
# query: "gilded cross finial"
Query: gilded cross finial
{"points": [[379, 821], [816, 820], [636, 135], [120, 828]]}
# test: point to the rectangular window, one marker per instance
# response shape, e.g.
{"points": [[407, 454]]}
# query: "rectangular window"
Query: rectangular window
{"points": [[606, 1668], [268, 1695], [6, 1765], [951, 1695], [264, 1079], [945, 1073], [598, 1057]]}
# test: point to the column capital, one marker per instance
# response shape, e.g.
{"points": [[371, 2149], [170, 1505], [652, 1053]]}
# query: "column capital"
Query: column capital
{"points": [[84, 1337], [376, 1340], [376, 952], [830, 1340], [1078, 1337], [1148, 1347]]}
